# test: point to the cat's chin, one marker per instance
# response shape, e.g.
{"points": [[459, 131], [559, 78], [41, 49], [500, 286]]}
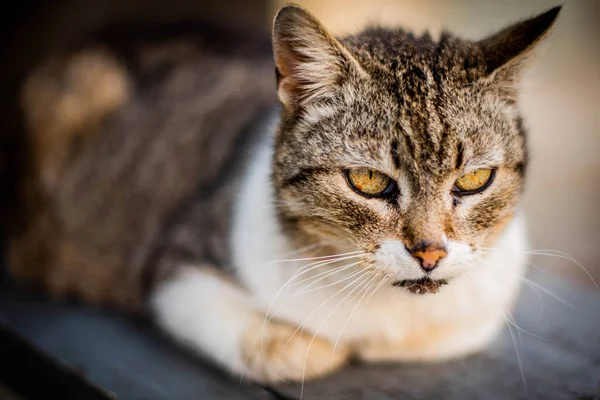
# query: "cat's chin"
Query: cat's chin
{"points": [[422, 285]]}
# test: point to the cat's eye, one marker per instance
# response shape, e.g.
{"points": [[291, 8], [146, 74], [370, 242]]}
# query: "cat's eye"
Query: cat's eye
{"points": [[474, 182], [370, 183]]}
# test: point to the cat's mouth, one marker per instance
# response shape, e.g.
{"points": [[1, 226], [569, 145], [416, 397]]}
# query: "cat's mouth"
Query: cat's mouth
{"points": [[421, 285]]}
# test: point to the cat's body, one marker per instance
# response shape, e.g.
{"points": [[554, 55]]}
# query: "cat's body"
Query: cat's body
{"points": [[171, 95], [199, 198]]}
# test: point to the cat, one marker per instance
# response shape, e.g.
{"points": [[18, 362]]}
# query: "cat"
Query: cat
{"points": [[362, 202]]}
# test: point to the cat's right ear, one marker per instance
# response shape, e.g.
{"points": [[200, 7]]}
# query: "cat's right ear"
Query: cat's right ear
{"points": [[310, 63]]}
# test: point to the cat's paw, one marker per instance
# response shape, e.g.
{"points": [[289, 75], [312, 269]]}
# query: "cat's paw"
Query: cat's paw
{"points": [[278, 353]]}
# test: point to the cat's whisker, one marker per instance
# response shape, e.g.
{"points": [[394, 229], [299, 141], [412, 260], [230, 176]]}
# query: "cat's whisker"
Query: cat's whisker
{"points": [[364, 273], [303, 323], [469, 274], [513, 323], [326, 274], [319, 264], [535, 290], [548, 292], [518, 356], [371, 282], [537, 267], [506, 322], [305, 248], [565, 256], [364, 290], [551, 253], [304, 289], [323, 323], [314, 265], [384, 280], [303, 270], [320, 257], [564, 253], [289, 281]]}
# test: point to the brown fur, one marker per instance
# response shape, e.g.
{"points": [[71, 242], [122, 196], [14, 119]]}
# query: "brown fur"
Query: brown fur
{"points": [[135, 157], [67, 98]]}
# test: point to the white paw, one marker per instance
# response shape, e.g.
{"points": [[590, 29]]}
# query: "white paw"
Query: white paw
{"points": [[280, 353]]}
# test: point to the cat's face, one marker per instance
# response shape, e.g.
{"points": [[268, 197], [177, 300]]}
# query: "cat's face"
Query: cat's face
{"points": [[408, 149]]}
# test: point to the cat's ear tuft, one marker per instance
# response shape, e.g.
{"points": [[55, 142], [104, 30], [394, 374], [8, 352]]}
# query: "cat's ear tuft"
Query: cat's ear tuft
{"points": [[507, 51], [310, 63]]}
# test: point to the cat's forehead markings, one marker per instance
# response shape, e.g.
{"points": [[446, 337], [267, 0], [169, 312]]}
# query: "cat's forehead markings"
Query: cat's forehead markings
{"points": [[491, 159], [460, 155]]}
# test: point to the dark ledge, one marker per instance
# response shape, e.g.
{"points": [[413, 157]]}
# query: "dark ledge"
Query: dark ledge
{"points": [[76, 352]]}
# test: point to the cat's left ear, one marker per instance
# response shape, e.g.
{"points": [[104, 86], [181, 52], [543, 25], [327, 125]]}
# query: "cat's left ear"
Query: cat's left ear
{"points": [[310, 62], [506, 52]]}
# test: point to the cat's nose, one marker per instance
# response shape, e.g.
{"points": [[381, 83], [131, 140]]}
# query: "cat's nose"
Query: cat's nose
{"points": [[428, 254]]}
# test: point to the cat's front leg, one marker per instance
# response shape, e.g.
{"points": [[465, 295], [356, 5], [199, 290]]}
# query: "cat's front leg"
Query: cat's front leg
{"points": [[210, 313], [435, 342]]}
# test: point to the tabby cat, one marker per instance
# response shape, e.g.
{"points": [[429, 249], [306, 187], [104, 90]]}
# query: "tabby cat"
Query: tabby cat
{"points": [[362, 203]]}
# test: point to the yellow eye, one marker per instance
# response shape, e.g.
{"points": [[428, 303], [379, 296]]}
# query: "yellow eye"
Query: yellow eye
{"points": [[474, 182], [370, 183]]}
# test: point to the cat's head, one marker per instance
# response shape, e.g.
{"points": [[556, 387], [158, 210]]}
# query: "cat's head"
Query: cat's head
{"points": [[410, 149]]}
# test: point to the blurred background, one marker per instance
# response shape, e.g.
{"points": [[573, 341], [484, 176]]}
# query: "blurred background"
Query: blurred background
{"points": [[560, 94]]}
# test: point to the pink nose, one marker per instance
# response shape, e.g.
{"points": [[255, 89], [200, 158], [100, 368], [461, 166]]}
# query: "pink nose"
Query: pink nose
{"points": [[428, 255]]}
